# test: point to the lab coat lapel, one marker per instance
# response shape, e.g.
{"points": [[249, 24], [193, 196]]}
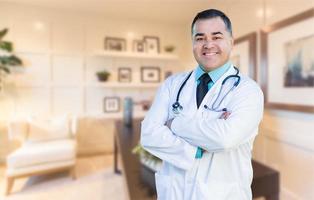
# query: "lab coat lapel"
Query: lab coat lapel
{"points": [[189, 95]]}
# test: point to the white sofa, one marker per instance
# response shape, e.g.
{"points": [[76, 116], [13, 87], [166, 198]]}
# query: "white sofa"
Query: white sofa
{"points": [[48, 145]]}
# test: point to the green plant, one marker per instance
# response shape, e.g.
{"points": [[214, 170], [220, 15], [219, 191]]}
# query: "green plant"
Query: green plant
{"points": [[169, 48], [139, 150], [7, 58], [103, 75]]}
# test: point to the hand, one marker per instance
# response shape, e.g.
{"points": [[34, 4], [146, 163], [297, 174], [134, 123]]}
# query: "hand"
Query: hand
{"points": [[225, 115], [168, 123]]}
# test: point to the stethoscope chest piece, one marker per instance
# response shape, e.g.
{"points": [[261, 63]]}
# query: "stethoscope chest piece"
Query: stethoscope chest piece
{"points": [[176, 108]]}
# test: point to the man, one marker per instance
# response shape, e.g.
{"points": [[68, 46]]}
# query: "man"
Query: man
{"points": [[205, 138]]}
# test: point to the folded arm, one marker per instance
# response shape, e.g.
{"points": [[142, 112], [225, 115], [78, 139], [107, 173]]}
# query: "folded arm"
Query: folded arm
{"points": [[228, 132], [159, 140]]}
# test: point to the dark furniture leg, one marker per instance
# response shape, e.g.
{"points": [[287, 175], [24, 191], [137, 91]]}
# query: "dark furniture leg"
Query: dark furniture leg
{"points": [[115, 157]]}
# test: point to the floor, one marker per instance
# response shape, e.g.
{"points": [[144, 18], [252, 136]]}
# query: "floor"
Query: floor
{"points": [[95, 180]]}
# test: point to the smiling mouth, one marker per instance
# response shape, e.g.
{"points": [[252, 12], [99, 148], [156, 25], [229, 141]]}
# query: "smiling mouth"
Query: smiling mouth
{"points": [[209, 53]]}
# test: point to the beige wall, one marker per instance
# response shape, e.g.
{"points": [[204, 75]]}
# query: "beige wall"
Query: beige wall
{"points": [[59, 49], [286, 139]]}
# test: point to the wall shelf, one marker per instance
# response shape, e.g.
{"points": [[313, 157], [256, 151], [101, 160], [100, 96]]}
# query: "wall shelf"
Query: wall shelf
{"points": [[111, 85], [112, 54], [118, 115]]}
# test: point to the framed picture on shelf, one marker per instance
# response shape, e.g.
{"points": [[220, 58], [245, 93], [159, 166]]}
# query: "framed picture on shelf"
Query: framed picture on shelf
{"points": [[152, 44], [115, 44], [139, 46], [168, 73], [150, 74], [243, 55], [111, 104], [124, 74], [287, 62]]}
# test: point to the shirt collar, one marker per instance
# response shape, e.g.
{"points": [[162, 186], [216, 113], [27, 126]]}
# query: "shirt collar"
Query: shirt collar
{"points": [[215, 74]]}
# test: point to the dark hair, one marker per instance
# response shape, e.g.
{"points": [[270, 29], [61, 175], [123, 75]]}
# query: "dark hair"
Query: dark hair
{"points": [[212, 13]]}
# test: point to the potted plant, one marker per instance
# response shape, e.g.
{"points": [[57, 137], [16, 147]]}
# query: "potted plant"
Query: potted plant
{"points": [[169, 48], [103, 75], [7, 58], [147, 159]]}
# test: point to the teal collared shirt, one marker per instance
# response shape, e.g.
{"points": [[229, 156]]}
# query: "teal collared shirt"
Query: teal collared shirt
{"points": [[214, 75]]}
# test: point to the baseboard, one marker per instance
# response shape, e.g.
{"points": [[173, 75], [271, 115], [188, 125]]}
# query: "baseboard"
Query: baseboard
{"points": [[286, 194]]}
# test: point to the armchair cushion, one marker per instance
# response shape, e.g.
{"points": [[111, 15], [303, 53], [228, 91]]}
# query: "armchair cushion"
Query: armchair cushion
{"points": [[42, 153], [48, 129]]}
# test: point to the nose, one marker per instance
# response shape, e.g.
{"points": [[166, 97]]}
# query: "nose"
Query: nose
{"points": [[207, 44]]}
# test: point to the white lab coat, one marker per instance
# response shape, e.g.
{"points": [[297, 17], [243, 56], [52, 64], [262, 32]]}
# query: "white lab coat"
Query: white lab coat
{"points": [[224, 172]]}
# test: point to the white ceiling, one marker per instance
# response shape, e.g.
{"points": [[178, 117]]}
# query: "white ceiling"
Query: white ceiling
{"points": [[178, 11], [170, 11]]}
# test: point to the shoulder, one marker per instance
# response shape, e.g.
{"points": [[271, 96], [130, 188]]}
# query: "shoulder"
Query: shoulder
{"points": [[248, 85], [176, 79]]}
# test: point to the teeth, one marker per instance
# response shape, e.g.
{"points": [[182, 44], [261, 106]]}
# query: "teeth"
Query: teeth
{"points": [[209, 54]]}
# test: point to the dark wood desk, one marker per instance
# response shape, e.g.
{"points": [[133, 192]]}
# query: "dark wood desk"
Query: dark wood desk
{"points": [[141, 183]]}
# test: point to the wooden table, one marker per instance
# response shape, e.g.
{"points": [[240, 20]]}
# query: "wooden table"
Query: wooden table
{"points": [[140, 181]]}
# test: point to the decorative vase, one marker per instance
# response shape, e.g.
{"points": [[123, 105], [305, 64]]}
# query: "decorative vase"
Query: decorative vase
{"points": [[128, 111]]}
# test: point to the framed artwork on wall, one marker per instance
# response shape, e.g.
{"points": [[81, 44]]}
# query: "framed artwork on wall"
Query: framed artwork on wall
{"points": [[139, 46], [115, 44], [287, 62], [150, 74], [244, 54], [111, 104], [124, 74], [152, 44]]}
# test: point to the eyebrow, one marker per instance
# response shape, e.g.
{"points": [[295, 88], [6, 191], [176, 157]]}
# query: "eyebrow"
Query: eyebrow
{"points": [[213, 33], [217, 33]]}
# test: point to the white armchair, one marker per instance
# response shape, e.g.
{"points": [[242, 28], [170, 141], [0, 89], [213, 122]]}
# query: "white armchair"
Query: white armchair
{"points": [[47, 146]]}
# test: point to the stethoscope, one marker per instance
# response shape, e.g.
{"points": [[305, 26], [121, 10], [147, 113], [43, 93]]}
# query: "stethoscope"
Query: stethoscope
{"points": [[177, 107]]}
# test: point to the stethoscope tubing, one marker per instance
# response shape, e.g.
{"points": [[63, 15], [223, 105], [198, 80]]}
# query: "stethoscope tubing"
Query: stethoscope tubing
{"points": [[177, 107]]}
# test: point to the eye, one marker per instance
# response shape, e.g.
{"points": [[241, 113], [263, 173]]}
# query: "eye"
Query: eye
{"points": [[217, 37], [199, 39]]}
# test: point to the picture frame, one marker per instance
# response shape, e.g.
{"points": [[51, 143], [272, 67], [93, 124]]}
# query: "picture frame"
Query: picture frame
{"points": [[152, 44], [283, 45], [168, 73], [244, 56], [139, 46], [150, 74], [111, 104], [115, 44], [124, 74]]}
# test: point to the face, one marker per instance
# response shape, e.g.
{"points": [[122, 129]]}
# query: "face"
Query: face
{"points": [[212, 43]]}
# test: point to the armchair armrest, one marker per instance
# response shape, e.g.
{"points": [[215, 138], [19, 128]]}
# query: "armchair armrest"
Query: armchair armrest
{"points": [[73, 125], [18, 130]]}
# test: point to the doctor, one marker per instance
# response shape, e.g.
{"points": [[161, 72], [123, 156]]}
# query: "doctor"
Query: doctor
{"points": [[202, 124]]}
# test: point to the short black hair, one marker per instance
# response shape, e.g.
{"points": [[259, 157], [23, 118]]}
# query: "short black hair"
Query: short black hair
{"points": [[212, 13]]}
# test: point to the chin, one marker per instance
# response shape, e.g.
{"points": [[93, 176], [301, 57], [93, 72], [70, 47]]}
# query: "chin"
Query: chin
{"points": [[210, 67]]}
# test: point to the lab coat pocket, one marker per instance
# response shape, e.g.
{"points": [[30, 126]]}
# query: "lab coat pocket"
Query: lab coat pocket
{"points": [[219, 190], [163, 186]]}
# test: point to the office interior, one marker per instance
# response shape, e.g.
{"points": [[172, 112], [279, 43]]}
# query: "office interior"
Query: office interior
{"points": [[63, 45]]}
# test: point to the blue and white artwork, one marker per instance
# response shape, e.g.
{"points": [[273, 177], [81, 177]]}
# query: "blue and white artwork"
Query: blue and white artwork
{"points": [[299, 70]]}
